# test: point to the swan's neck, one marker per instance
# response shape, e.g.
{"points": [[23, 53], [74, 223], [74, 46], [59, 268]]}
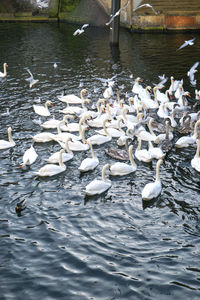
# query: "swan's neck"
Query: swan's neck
{"points": [[58, 127], [158, 169], [67, 146], [104, 127], [150, 127], [119, 127], [46, 105], [108, 111], [124, 111], [4, 70], [130, 101], [81, 94], [10, 137], [130, 153], [167, 132], [61, 164], [139, 144], [103, 172], [198, 149], [196, 128], [150, 145], [82, 132], [91, 148], [83, 104]]}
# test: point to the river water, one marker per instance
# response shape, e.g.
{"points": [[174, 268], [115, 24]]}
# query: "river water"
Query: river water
{"points": [[115, 246]]}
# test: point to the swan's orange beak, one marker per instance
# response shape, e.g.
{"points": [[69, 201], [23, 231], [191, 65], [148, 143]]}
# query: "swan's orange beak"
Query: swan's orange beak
{"points": [[7, 65], [19, 167], [51, 104]]}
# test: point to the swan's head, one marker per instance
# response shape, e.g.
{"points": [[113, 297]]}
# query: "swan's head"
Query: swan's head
{"points": [[5, 65], [187, 94], [84, 91], [48, 102], [138, 79]]}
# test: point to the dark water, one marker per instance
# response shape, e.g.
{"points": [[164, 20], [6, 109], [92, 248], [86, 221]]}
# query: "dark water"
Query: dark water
{"points": [[63, 246]]}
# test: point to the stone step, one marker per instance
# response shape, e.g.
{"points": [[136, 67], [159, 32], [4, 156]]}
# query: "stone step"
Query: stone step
{"points": [[169, 7]]}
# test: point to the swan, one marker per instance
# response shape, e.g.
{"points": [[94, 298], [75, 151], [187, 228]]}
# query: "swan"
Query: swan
{"points": [[182, 101], [119, 153], [4, 73], [98, 139], [98, 121], [89, 164], [142, 155], [120, 168], [113, 132], [123, 138], [195, 162], [7, 144], [52, 169], [137, 87], [66, 156], [155, 152], [153, 189], [161, 97], [73, 99], [97, 187], [62, 136], [165, 143], [146, 99], [185, 141], [50, 124], [163, 110], [29, 156], [43, 110], [179, 91], [77, 145], [162, 136], [76, 109], [44, 137], [143, 134]]}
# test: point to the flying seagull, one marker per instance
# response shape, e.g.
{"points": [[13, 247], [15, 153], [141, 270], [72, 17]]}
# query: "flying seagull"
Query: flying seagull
{"points": [[79, 31], [31, 80], [117, 13], [189, 42], [191, 72], [147, 5]]}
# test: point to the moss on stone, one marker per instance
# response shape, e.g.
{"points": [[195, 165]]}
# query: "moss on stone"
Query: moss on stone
{"points": [[68, 5]]}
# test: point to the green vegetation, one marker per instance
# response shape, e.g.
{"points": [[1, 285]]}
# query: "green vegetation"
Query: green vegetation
{"points": [[68, 5]]}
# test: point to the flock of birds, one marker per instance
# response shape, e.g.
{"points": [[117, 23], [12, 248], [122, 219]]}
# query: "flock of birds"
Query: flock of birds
{"points": [[149, 115]]}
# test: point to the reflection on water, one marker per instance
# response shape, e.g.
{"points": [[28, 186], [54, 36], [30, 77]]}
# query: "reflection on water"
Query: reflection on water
{"points": [[63, 244]]}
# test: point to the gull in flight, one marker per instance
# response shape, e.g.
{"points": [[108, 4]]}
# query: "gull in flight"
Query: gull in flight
{"points": [[117, 13], [191, 72], [189, 42], [79, 31], [31, 80], [147, 5]]}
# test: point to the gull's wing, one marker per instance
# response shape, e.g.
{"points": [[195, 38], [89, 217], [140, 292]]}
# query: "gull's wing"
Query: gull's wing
{"points": [[192, 69], [84, 26], [31, 75], [108, 23], [117, 13], [183, 45], [77, 32]]}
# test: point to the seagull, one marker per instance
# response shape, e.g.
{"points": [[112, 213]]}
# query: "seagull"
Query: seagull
{"points": [[189, 42], [7, 113], [79, 31], [147, 5], [191, 72], [117, 13], [55, 65], [31, 80]]}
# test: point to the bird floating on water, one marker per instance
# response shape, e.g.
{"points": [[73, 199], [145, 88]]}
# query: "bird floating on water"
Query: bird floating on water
{"points": [[31, 80], [4, 73], [189, 42], [80, 30], [20, 206], [117, 13], [147, 5]]}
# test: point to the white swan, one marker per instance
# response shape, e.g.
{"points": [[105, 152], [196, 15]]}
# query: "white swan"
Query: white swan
{"points": [[4, 73], [76, 109], [89, 164], [120, 168], [98, 139], [185, 141], [152, 190], [195, 162], [113, 132], [44, 137], [50, 124], [43, 110], [29, 156], [52, 169], [142, 154], [155, 152], [137, 87], [77, 145], [7, 144], [66, 156], [73, 99], [97, 187]]}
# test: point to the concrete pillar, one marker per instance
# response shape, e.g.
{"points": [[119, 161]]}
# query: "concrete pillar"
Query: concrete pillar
{"points": [[115, 25]]}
